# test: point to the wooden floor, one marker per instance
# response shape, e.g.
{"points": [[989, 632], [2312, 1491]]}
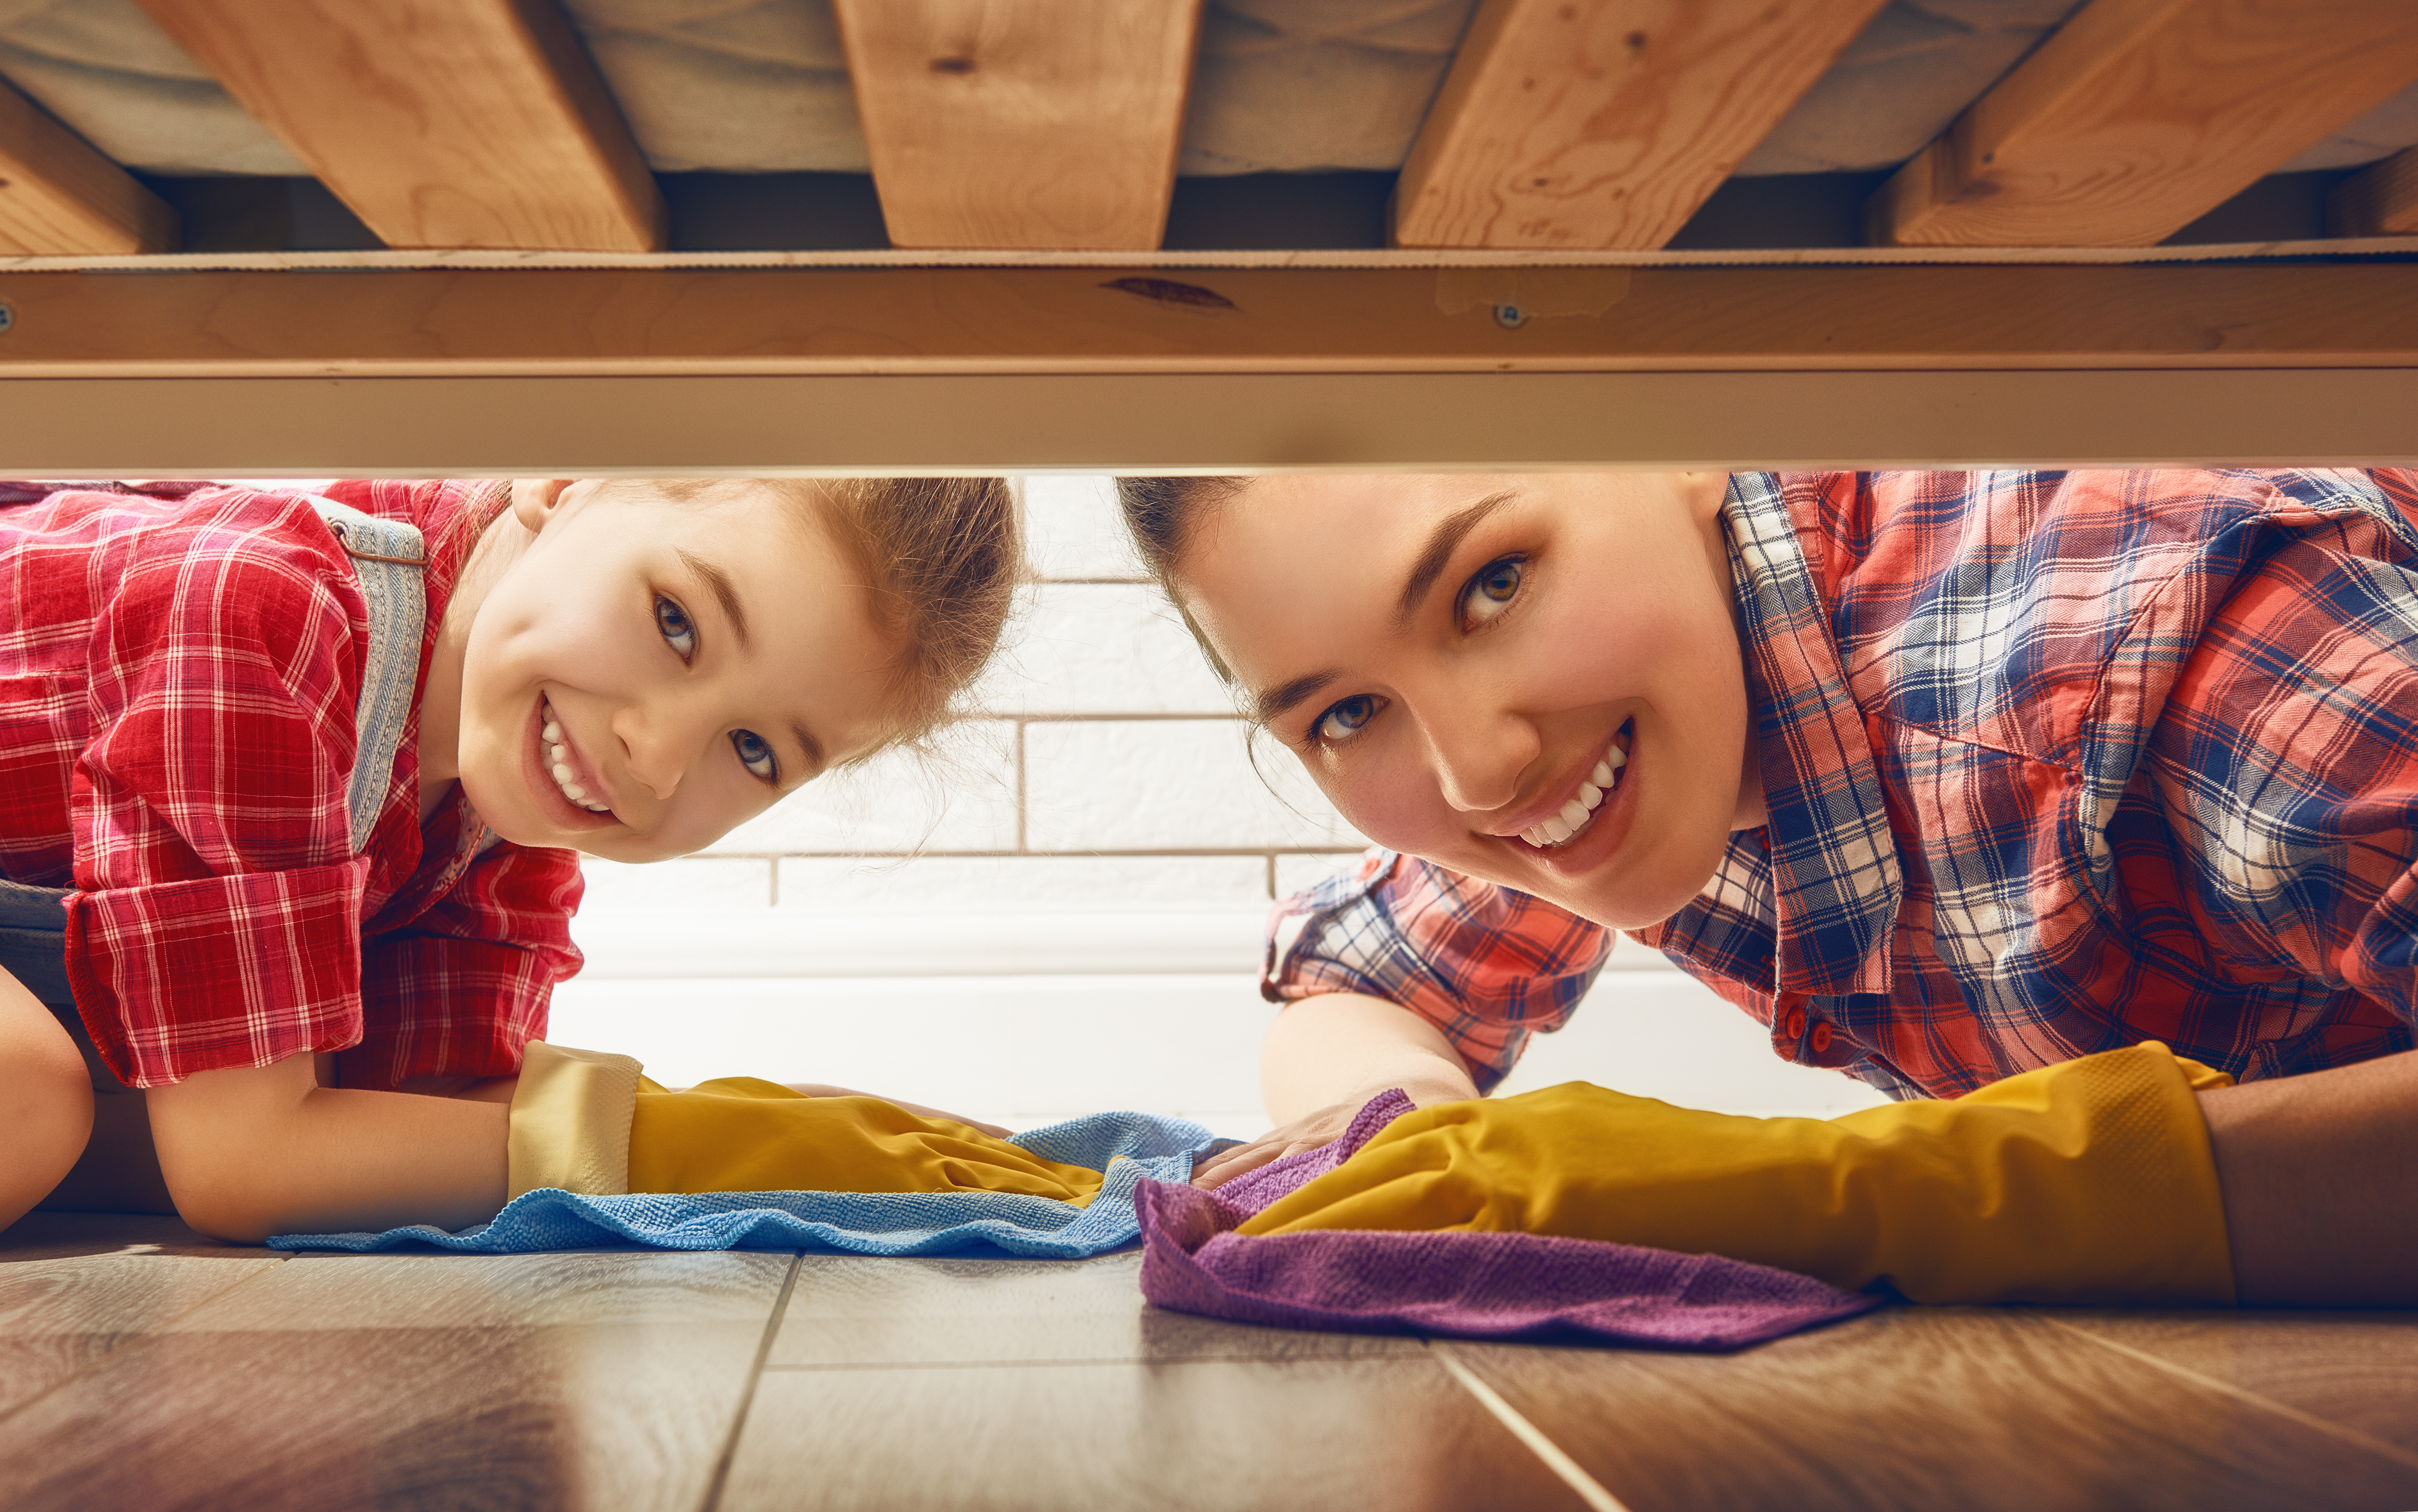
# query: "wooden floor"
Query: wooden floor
{"points": [[141, 1367]]}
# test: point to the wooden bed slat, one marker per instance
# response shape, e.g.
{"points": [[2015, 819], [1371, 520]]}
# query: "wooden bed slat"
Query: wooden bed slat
{"points": [[1004, 124], [2377, 202], [1042, 320], [441, 123], [2137, 117], [59, 197], [1605, 123]]}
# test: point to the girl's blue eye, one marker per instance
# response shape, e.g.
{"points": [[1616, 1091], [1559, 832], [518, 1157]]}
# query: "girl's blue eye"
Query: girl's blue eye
{"points": [[756, 755], [673, 622], [1491, 591], [1345, 719]]}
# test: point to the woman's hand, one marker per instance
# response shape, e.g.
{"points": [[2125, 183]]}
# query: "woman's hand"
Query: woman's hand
{"points": [[1307, 1132]]}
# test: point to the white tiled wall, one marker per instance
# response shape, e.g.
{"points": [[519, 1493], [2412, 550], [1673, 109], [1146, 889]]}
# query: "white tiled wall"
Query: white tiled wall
{"points": [[1060, 914]]}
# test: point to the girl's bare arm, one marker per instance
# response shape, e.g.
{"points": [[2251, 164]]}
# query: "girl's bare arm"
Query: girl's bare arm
{"points": [[1328, 1055], [251, 1153]]}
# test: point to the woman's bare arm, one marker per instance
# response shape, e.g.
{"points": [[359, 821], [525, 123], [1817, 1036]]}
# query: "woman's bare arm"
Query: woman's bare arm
{"points": [[247, 1153], [2319, 1174], [1328, 1055]]}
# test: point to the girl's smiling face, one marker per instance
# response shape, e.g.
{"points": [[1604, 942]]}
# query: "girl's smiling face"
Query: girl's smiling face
{"points": [[1458, 660], [634, 677]]}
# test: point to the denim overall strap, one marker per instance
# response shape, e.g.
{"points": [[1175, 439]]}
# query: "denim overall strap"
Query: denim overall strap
{"points": [[388, 559]]}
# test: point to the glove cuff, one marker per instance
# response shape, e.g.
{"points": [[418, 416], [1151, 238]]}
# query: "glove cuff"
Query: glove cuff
{"points": [[571, 1121]]}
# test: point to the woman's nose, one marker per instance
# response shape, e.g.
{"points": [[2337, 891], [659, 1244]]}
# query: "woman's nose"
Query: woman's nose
{"points": [[1480, 756]]}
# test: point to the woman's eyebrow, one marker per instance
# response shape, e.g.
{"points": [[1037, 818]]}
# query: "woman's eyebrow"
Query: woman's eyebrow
{"points": [[719, 581], [1447, 535], [1280, 700], [807, 743]]}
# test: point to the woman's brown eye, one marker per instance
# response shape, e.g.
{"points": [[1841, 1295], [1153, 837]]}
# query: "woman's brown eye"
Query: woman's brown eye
{"points": [[1491, 590], [1346, 718]]}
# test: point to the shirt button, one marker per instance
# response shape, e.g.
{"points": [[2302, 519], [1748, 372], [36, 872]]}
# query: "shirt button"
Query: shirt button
{"points": [[1794, 1023], [1821, 1037]]}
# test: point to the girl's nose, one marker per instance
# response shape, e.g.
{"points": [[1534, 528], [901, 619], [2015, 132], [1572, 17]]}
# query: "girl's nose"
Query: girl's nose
{"points": [[1480, 753], [656, 746]]}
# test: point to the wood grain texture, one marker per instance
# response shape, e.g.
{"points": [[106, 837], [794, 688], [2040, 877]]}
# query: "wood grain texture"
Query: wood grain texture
{"points": [[1063, 320], [844, 1312], [2378, 201], [440, 123], [1606, 123], [74, 1288], [991, 123], [1370, 1432], [595, 1379], [60, 197], [2137, 117], [2355, 1369], [1925, 1408]]}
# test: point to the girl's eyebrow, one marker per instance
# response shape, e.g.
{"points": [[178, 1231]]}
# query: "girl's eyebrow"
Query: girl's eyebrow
{"points": [[1448, 534], [719, 581]]}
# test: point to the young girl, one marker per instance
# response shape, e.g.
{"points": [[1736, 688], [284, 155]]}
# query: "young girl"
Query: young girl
{"points": [[1944, 778], [295, 788]]}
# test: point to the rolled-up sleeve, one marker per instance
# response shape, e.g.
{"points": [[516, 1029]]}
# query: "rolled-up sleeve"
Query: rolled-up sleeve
{"points": [[1486, 965]]}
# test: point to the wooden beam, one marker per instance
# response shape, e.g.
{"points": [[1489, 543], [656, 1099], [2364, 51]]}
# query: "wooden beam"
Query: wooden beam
{"points": [[1605, 123], [1204, 423], [1000, 123], [441, 123], [2379, 201], [937, 320], [2137, 117], [60, 197]]}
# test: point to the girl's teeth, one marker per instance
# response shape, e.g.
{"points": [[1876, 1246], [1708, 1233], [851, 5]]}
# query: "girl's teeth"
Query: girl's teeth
{"points": [[1573, 814], [1601, 775], [562, 773], [1556, 830], [552, 734], [1616, 758], [1590, 795]]}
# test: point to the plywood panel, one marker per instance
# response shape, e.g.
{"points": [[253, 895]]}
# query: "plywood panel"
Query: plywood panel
{"points": [[1263, 320], [991, 123], [582, 1378], [575, 427], [60, 197], [1924, 1408], [1606, 123], [1384, 1432], [440, 123], [2381, 201], [2137, 117]]}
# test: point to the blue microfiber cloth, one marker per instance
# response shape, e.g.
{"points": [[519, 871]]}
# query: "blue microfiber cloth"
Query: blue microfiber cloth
{"points": [[1127, 1146]]}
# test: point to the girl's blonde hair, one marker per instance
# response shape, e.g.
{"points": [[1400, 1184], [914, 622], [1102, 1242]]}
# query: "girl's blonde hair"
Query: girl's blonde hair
{"points": [[942, 557]]}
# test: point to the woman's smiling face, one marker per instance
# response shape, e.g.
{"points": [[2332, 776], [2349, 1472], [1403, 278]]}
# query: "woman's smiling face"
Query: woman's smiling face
{"points": [[1461, 660]]}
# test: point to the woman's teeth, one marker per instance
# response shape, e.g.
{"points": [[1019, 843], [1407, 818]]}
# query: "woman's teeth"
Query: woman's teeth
{"points": [[1576, 814], [550, 741]]}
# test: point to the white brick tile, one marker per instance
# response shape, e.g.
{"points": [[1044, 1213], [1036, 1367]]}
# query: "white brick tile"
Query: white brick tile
{"points": [[1073, 528], [715, 882], [1100, 648], [1294, 872], [966, 801], [1023, 882], [1167, 785]]}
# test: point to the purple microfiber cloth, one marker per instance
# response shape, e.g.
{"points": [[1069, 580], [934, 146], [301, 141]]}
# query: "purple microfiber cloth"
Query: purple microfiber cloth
{"points": [[1457, 1285]]}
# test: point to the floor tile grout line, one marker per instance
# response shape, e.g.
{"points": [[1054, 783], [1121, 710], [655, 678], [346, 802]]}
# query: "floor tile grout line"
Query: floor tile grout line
{"points": [[149, 1331], [2349, 1435], [1557, 1459], [755, 1374]]}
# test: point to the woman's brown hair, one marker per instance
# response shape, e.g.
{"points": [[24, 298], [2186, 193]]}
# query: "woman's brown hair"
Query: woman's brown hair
{"points": [[1164, 515]]}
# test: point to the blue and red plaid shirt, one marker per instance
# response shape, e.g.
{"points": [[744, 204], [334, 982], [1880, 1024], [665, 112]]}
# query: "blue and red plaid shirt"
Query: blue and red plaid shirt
{"points": [[2055, 762]]}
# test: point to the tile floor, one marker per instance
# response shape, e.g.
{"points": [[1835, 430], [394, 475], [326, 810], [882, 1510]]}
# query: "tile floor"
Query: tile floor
{"points": [[141, 1367]]}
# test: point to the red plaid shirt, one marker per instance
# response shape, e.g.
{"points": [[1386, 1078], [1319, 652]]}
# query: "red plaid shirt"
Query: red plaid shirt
{"points": [[178, 672], [2055, 763]]}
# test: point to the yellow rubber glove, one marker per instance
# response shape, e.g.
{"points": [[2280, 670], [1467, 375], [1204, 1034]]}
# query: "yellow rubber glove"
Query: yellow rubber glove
{"points": [[2088, 1182], [742, 1135], [588, 1122]]}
